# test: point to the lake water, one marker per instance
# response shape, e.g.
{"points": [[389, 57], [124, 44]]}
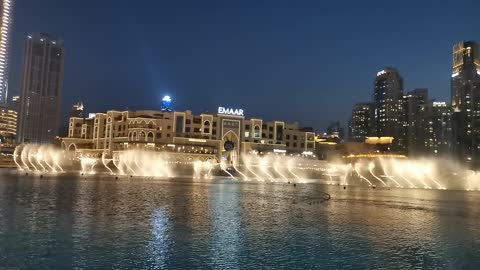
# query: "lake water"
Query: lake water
{"points": [[65, 222]]}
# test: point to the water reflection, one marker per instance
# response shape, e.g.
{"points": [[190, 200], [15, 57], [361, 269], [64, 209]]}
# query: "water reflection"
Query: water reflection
{"points": [[160, 244], [99, 222], [225, 231]]}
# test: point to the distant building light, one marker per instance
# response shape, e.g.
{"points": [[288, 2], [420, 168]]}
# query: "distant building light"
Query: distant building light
{"points": [[166, 104], [379, 140], [455, 74], [279, 151], [171, 145], [197, 140], [381, 72], [440, 104], [167, 99]]}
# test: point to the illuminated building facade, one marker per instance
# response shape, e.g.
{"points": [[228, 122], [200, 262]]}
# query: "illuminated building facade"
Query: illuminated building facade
{"points": [[224, 135], [8, 125], [361, 125], [465, 86], [436, 133], [388, 106], [6, 24], [413, 103], [42, 87]]}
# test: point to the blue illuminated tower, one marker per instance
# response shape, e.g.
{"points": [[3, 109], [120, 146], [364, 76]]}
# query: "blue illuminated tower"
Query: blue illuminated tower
{"points": [[166, 104]]}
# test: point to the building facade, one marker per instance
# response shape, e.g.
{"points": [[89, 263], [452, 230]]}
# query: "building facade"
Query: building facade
{"points": [[388, 112], [225, 135], [8, 125], [335, 129], [436, 129], [413, 103], [42, 87], [6, 25], [361, 125], [465, 86]]}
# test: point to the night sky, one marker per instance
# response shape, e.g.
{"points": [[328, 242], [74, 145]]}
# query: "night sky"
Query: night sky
{"points": [[305, 61]]}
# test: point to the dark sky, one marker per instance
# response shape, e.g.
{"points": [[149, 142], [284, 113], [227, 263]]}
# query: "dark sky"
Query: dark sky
{"points": [[305, 61]]}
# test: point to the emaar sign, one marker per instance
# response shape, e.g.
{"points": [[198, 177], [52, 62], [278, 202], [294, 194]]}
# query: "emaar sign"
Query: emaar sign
{"points": [[230, 111]]}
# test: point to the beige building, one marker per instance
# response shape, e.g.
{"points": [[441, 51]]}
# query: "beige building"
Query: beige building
{"points": [[8, 125], [225, 135]]}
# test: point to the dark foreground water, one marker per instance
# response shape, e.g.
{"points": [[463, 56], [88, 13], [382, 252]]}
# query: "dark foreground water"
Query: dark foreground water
{"points": [[101, 223]]}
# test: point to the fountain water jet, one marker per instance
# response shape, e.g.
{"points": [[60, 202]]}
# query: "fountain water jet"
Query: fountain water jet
{"points": [[361, 176], [371, 166]]}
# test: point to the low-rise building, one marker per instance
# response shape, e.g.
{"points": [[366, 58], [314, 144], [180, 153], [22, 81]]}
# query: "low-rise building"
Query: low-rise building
{"points": [[225, 135], [8, 125]]}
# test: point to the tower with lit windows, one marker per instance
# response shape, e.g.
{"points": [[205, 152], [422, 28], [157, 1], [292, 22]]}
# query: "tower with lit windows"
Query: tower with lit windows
{"points": [[388, 116], [465, 86], [42, 89], [361, 122], [6, 24]]}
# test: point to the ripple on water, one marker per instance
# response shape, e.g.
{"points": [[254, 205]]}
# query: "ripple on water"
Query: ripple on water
{"points": [[64, 222]]}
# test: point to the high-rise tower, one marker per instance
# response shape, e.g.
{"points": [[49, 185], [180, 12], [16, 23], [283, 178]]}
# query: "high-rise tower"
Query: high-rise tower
{"points": [[388, 106], [465, 86], [361, 122], [6, 24], [42, 87]]}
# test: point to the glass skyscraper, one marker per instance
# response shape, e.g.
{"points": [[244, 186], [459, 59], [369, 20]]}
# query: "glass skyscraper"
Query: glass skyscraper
{"points": [[388, 106], [465, 85], [6, 24], [42, 88]]}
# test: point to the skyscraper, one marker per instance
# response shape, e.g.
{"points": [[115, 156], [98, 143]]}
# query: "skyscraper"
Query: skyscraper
{"points": [[388, 106], [436, 128], [413, 103], [465, 86], [6, 24], [362, 121], [42, 87]]}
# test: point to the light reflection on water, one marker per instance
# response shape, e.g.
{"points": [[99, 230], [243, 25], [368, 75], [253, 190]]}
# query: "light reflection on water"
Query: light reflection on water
{"points": [[99, 222]]}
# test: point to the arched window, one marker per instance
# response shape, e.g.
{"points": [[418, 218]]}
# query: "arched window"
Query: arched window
{"points": [[206, 127], [150, 137], [256, 131]]}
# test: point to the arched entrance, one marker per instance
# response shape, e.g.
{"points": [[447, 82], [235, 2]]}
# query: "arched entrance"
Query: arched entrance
{"points": [[230, 147], [72, 148]]}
